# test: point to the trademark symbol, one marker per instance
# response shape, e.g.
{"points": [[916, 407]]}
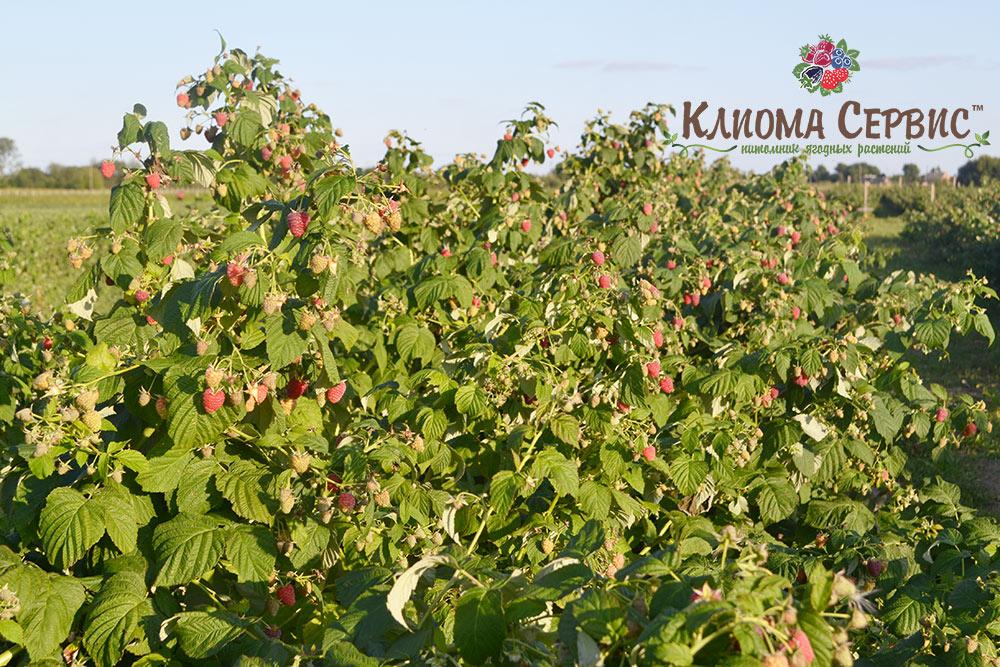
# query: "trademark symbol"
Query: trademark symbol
{"points": [[977, 107]]}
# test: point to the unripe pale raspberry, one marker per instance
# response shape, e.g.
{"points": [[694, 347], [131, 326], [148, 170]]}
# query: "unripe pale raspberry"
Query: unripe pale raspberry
{"points": [[92, 420], [301, 462], [87, 400], [213, 376], [287, 500], [307, 320], [273, 302], [373, 223], [318, 262]]}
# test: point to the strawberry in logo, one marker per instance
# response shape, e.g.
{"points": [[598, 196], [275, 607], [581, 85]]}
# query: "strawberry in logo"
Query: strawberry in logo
{"points": [[829, 80]]}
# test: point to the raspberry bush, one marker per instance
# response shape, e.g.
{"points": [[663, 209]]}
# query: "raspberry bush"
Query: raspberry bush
{"points": [[646, 411]]}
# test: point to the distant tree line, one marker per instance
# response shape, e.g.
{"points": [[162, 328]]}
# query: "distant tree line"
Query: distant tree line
{"points": [[55, 176], [973, 172], [12, 175]]}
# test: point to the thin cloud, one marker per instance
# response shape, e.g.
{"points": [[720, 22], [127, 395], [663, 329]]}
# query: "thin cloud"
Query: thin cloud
{"points": [[578, 64], [913, 62], [624, 65]]}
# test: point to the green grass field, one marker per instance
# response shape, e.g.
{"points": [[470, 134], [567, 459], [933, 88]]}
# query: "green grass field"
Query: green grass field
{"points": [[41, 221], [971, 367]]}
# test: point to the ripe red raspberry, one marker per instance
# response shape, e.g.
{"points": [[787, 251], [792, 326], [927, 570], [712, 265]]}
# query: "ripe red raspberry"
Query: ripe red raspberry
{"points": [[265, 153], [658, 338], [446, 252], [653, 369], [802, 379], [346, 502], [212, 400], [107, 169], [526, 226], [507, 136], [153, 181], [781, 230], [796, 237], [678, 323], [285, 162], [551, 153], [774, 393], [296, 388], [706, 283], [667, 385], [235, 272], [941, 414], [597, 257], [336, 392], [796, 312], [647, 209], [604, 281], [783, 278], [221, 118], [970, 430], [333, 481], [183, 100], [46, 343], [141, 296], [298, 222], [649, 452], [671, 264], [286, 594], [168, 260]]}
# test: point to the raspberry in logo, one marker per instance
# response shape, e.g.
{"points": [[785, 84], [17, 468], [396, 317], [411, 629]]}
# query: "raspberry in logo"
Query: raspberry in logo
{"points": [[826, 66]]}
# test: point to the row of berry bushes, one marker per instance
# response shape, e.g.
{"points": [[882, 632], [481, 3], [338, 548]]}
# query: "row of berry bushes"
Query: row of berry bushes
{"points": [[649, 412]]}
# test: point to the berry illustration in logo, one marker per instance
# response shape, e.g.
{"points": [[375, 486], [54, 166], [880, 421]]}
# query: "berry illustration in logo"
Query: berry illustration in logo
{"points": [[826, 66], [813, 74]]}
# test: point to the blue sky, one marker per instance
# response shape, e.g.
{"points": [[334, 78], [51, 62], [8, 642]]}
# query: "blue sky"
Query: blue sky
{"points": [[449, 72]]}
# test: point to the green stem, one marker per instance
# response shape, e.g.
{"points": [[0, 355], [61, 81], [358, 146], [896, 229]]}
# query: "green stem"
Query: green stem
{"points": [[686, 148], [489, 512], [967, 148]]}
